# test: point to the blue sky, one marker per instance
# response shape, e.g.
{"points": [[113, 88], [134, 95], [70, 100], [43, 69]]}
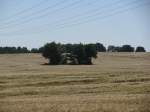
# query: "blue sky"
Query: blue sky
{"points": [[33, 23]]}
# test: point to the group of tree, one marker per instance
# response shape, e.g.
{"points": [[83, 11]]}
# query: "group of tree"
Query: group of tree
{"points": [[36, 50], [11, 50], [125, 48], [69, 48], [4, 50], [58, 53]]}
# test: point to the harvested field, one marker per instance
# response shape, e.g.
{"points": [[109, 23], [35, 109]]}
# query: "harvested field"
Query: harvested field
{"points": [[117, 82]]}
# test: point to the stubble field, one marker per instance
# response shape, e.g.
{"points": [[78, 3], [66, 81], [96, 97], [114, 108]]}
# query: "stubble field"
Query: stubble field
{"points": [[117, 82]]}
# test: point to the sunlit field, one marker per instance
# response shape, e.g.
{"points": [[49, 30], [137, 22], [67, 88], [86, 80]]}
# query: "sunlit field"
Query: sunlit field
{"points": [[116, 82]]}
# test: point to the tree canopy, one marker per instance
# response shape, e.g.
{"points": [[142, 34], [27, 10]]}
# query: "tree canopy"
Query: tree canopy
{"points": [[52, 52], [82, 52]]}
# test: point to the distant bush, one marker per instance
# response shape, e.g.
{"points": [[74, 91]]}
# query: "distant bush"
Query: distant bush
{"points": [[100, 47], [140, 49], [127, 48], [111, 48], [34, 50], [124, 48]]}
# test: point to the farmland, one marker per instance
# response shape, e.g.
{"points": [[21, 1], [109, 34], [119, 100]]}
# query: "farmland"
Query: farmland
{"points": [[116, 82]]}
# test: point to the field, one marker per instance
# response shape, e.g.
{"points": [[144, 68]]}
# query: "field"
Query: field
{"points": [[117, 82]]}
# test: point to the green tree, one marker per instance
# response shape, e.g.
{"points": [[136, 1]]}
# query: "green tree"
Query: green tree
{"points": [[91, 52], [41, 49], [25, 50], [51, 51], [85, 53], [34, 50], [140, 49], [100, 47], [69, 48], [127, 48], [79, 51]]}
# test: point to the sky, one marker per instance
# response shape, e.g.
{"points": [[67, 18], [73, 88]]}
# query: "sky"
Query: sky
{"points": [[32, 23]]}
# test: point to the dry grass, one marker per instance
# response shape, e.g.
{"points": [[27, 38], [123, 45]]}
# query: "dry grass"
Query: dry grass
{"points": [[117, 82]]}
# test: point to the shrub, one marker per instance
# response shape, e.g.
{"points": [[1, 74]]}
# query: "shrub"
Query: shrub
{"points": [[140, 49]]}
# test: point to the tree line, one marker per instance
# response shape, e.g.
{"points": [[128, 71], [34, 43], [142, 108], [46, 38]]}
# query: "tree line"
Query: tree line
{"points": [[58, 53], [125, 48], [99, 47], [5, 50], [12, 50]]}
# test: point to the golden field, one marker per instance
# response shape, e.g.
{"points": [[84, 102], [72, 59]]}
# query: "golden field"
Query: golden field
{"points": [[117, 82]]}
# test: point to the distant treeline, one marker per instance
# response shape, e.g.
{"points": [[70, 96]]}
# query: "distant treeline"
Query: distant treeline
{"points": [[4, 50], [12, 50], [99, 47], [125, 48]]}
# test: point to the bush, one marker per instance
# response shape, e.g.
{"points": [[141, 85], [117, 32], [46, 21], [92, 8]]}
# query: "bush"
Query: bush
{"points": [[127, 48], [140, 49]]}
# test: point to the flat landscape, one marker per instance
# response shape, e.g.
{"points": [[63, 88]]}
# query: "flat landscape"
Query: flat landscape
{"points": [[116, 82]]}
